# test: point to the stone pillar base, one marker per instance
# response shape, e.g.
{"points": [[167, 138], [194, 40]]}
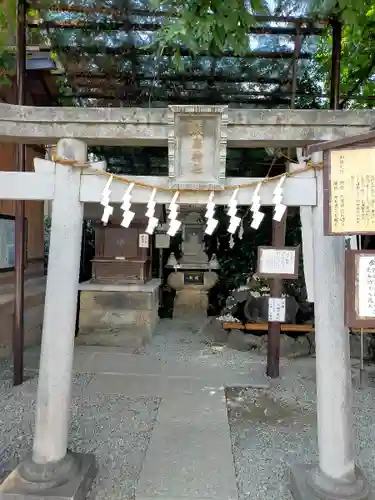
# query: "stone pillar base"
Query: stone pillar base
{"points": [[70, 480], [190, 302], [305, 484]]}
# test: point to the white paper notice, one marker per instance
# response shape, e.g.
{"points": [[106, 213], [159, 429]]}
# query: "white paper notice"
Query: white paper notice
{"points": [[276, 310], [366, 286], [274, 261], [144, 240]]}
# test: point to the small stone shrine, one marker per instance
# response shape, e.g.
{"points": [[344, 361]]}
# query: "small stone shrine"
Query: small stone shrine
{"points": [[194, 275]]}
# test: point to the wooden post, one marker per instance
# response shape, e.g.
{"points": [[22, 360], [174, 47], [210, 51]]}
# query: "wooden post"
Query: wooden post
{"points": [[334, 102], [273, 346], [20, 232]]}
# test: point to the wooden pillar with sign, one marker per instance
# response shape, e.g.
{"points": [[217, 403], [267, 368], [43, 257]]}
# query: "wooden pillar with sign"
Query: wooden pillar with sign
{"points": [[277, 263], [345, 206], [274, 330]]}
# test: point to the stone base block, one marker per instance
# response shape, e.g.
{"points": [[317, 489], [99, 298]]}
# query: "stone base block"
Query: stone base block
{"points": [[303, 487], [15, 487], [118, 315], [190, 301]]}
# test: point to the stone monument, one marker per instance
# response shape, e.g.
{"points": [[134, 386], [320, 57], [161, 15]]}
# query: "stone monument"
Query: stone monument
{"points": [[194, 274]]}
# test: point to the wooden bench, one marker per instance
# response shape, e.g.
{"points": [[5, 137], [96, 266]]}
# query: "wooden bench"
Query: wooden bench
{"points": [[284, 327]]}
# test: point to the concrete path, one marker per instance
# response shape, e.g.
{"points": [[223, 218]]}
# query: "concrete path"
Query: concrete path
{"points": [[189, 454]]}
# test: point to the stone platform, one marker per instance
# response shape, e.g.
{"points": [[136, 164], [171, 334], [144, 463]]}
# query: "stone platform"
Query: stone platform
{"points": [[123, 315]]}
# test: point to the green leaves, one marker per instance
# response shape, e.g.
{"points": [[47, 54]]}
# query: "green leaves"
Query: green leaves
{"points": [[357, 55], [209, 26]]}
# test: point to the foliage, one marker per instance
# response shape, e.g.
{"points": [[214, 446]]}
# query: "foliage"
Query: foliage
{"points": [[357, 59], [350, 12], [211, 25], [7, 21], [215, 26]]}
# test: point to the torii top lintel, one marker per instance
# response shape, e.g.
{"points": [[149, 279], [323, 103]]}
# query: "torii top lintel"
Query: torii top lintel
{"points": [[152, 126]]}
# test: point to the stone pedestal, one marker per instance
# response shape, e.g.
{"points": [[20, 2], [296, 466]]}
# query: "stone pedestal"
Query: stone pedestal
{"points": [[68, 479], [118, 315], [191, 299], [51, 471]]}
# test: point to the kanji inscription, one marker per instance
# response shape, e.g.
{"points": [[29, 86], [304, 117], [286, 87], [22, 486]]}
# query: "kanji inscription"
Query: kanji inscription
{"points": [[197, 147], [278, 262], [366, 286], [351, 187], [276, 310]]}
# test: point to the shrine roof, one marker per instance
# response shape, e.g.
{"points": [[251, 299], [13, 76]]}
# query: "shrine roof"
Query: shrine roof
{"points": [[107, 59]]}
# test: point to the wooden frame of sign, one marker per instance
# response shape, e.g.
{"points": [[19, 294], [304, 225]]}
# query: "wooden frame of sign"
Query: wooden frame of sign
{"points": [[290, 270], [348, 184], [360, 288]]}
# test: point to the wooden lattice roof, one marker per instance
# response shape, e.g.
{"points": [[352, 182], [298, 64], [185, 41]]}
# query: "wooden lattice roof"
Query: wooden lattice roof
{"points": [[106, 50]]}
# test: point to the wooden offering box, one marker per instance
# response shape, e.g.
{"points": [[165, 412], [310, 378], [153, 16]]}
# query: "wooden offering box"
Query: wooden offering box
{"points": [[118, 257]]}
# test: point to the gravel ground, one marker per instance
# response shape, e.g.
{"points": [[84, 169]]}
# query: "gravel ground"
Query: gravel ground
{"points": [[116, 428], [271, 429], [191, 343]]}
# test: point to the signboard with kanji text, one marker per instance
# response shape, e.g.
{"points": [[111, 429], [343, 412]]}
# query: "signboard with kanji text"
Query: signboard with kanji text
{"points": [[360, 288]]}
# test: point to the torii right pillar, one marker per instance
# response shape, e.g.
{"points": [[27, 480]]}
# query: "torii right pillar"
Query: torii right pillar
{"points": [[335, 477]]}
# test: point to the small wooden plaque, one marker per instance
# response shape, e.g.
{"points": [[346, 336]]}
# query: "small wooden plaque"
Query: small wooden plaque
{"points": [[360, 288], [278, 262]]}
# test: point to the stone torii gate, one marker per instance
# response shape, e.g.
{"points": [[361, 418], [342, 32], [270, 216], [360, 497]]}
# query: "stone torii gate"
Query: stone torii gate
{"points": [[52, 471]]}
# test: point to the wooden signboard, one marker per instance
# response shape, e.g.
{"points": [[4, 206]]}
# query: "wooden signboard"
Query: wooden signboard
{"points": [[349, 190], [278, 262], [360, 288]]}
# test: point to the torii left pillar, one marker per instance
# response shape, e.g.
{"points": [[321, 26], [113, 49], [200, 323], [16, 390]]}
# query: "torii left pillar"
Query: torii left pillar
{"points": [[52, 471]]}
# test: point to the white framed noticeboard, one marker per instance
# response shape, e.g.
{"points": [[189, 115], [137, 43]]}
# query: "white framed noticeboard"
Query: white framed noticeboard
{"points": [[278, 262]]}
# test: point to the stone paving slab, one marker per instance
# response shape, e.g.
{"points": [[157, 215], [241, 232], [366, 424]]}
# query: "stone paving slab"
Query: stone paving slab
{"points": [[165, 387], [186, 457]]}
